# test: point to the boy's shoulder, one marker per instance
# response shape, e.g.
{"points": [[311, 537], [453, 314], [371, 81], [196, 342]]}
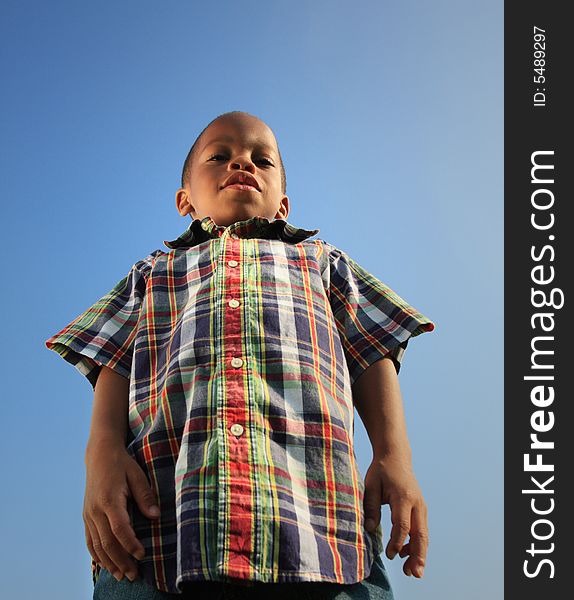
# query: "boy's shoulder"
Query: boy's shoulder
{"points": [[328, 246], [144, 265]]}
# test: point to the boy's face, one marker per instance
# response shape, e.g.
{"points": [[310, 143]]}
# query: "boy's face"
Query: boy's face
{"points": [[235, 174]]}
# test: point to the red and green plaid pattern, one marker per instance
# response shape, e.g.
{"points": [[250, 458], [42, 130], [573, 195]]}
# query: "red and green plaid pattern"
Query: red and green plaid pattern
{"points": [[241, 345]]}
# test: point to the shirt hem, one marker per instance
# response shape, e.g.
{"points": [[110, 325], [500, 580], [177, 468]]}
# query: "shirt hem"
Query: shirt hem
{"points": [[282, 577]]}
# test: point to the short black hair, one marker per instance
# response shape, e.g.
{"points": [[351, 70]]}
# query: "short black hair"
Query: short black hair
{"points": [[186, 171]]}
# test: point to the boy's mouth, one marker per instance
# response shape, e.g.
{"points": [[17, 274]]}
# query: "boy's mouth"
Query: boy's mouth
{"points": [[240, 186], [242, 181]]}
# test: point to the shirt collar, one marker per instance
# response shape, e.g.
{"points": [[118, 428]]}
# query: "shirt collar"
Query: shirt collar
{"points": [[201, 230]]}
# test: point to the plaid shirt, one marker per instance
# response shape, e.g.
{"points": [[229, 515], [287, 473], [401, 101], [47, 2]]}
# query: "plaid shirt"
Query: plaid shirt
{"points": [[241, 345]]}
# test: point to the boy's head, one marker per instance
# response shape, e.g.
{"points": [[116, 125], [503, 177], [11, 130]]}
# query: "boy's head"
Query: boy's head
{"points": [[233, 172]]}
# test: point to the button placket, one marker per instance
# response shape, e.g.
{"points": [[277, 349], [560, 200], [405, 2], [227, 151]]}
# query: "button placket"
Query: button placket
{"points": [[239, 547], [236, 362], [235, 410]]}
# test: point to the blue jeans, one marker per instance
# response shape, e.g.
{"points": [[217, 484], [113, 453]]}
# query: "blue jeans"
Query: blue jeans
{"points": [[375, 587]]}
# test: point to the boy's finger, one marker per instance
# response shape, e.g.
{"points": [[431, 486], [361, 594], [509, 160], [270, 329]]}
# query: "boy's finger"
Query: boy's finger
{"points": [[123, 531], [141, 491], [90, 544], [418, 542], [121, 562], [401, 520], [103, 559]]}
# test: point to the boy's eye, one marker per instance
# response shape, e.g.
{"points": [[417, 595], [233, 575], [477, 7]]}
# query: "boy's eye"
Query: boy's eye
{"points": [[263, 160]]}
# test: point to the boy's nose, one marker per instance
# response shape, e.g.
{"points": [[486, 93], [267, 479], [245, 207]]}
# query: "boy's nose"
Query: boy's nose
{"points": [[242, 163]]}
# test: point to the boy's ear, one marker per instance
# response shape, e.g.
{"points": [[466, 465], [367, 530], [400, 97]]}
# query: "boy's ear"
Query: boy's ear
{"points": [[283, 211], [183, 202]]}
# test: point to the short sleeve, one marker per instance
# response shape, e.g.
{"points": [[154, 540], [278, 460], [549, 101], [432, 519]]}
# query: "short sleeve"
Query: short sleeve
{"points": [[373, 322], [103, 335]]}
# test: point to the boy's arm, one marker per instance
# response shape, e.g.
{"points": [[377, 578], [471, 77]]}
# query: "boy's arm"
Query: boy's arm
{"points": [[110, 408], [390, 478], [112, 475]]}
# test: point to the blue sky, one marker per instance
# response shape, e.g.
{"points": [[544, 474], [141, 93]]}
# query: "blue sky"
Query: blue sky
{"points": [[390, 121]]}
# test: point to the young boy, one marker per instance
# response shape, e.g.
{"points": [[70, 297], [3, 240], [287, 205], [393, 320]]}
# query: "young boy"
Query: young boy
{"points": [[225, 375]]}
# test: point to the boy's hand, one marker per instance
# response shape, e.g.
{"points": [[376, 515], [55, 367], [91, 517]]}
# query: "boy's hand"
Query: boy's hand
{"points": [[112, 476], [391, 481]]}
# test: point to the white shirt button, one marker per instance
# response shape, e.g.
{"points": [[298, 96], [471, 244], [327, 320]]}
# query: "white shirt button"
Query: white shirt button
{"points": [[234, 303], [237, 429], [236, 362], [232, 263], [234, 236]]}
